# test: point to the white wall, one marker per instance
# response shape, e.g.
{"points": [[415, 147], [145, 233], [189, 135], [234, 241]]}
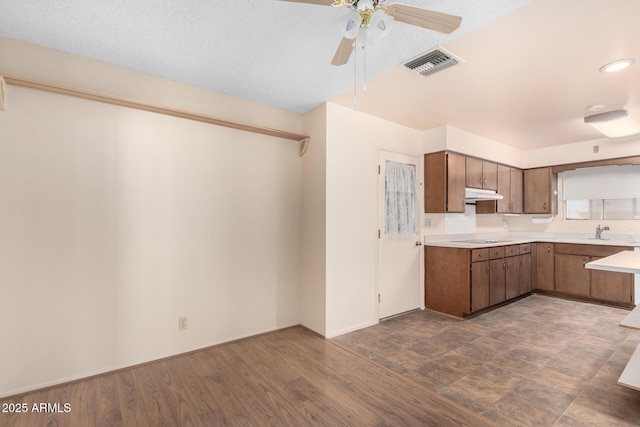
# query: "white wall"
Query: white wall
{"points": [[114, 222], [583, 152], [314, 226], [353, 142], [458, 140]]}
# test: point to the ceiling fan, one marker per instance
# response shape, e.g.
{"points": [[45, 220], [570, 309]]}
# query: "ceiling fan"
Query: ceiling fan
{"points": [[374, 15]]}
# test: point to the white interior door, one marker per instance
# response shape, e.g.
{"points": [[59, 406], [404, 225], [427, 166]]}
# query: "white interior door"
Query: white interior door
{"points": [[399, 243]]}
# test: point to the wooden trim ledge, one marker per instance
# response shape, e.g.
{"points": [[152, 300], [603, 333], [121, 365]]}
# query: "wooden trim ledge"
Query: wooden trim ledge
{"points": [[129, 103]]}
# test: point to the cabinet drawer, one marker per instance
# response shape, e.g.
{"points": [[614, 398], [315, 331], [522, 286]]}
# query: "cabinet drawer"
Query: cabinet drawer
{"points": [[589, 250], [512, 250], [496, 252], [525, 248], [479, 254]]}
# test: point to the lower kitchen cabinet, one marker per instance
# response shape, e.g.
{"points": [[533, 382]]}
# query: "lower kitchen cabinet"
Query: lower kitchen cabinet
{"points": [[462, 281], [573, 279], [526, 270], [612, 287], [571, 276], [479, 285], [512, 277], [545, 267], [497, 291]]}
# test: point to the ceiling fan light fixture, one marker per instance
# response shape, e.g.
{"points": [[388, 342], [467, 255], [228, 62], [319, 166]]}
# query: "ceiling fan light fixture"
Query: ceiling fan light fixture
{"points": [[365, 4], [612, 67], [350, 24], [380, 24], [614, 124]]}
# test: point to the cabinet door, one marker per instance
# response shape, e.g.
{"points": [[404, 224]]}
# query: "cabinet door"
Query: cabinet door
{"points": [[516, 190], [612, 286], [504, 188], [496, 281], [479, 285], [571, 276], [525, 274], [545, 267], [512, 277], [539, 186], [444, 182], [473, 171], [489, 175], [455, 182]]}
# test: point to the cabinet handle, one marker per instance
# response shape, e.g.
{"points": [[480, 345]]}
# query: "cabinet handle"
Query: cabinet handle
{"points": [[544, 206], [548, 249], [584, 262]]}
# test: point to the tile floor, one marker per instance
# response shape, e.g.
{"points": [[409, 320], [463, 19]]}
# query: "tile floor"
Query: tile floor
{"points": [[540, 361]]}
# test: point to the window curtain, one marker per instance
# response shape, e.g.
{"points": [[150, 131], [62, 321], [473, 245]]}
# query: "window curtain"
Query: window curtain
{"points": [[400, 198], [603, 182]]}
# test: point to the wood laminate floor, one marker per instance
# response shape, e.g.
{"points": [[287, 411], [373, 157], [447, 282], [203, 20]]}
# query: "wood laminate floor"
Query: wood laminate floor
{"points": [[286, 378], [539, 361]]}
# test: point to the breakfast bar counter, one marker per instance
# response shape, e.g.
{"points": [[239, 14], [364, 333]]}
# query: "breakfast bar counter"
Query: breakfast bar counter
{"points": [[625, 262]]}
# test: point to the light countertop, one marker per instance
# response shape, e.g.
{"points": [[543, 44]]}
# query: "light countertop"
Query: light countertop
{"points": [[489, 240], [623, 262]]}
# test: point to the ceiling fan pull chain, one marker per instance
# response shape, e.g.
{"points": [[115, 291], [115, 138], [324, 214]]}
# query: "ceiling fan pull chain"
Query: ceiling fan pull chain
{"points": [[364, 62], [355, 73]]}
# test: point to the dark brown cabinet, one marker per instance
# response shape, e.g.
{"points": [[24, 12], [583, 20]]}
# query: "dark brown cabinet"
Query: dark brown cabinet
{"points": [[611, 287], [573, 279], [444, 182], [526, 272], [510, 187], [479, 279], [462, 281], [540, 191], [497, 291], [571, 276], [545, 267], [481, 174]]}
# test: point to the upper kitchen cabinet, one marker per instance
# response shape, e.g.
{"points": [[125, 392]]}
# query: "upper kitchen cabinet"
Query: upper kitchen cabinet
{"points": [[540, 191], [444, 182], [481, 174], [510, 187]]}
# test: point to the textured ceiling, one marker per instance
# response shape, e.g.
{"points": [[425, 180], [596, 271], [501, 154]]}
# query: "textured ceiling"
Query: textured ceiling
{"points": [[529, 70], [273, 52], [527, 78]]}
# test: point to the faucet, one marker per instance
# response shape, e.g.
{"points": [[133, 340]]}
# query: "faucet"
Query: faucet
{"points": [[599, 231]]}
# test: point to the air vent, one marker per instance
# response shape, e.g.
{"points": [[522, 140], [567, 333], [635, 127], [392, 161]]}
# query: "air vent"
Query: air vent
{"points": [[432, 62]]}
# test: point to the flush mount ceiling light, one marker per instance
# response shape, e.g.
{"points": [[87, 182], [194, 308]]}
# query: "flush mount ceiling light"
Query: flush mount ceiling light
{"points": [[617, 65], [614, 124]]}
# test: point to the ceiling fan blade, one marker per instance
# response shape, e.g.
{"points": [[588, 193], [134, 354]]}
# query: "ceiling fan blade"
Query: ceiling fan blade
{"points": [[318, 2], [436, 21], [345, 48]]}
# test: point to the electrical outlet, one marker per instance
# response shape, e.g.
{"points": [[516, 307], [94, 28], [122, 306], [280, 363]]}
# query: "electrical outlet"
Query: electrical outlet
{"points": [[182, 323]]}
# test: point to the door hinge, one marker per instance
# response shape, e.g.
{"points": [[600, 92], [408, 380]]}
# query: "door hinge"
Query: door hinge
{"points": [[379, 168], [378, 233], [378, 298]]}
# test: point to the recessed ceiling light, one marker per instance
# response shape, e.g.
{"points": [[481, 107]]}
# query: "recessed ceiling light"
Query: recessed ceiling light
{"points": [[617, 65]]}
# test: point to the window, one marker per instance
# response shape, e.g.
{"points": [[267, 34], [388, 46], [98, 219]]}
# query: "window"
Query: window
{"points": [[401, 199], [602, 193]]}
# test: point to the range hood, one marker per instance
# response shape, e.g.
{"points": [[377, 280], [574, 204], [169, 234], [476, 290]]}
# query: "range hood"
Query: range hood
{"points": [[476, 194]]}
